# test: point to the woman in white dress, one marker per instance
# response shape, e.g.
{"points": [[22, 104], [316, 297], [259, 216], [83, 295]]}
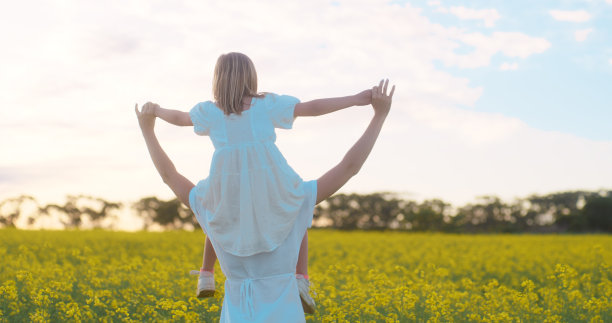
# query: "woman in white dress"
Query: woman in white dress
{"points": [[253, 207]]}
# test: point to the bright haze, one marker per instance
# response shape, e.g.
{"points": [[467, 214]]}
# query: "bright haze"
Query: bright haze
{"points": [[492, 97]]}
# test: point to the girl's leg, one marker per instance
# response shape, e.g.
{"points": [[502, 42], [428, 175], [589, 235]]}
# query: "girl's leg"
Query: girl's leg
{"points": [[302, 263], [206, 281], [301, 273], [210, 257]]}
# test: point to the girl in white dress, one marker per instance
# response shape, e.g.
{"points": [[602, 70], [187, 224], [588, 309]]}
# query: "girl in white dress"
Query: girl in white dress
{"points": [[253, 207]]}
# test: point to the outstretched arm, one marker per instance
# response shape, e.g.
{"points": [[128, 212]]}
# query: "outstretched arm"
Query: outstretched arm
{"points": [[324, 106], [350, 165], [175, 117], [180, 185]]}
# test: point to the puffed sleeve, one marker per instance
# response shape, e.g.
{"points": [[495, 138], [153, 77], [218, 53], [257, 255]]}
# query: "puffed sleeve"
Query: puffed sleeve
{"points": [[200, 120], [280, 109]]}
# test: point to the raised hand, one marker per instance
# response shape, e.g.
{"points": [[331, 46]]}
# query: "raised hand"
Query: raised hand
{"points": [[380, 100], [146, 117], [177, 182], [350, 165]]}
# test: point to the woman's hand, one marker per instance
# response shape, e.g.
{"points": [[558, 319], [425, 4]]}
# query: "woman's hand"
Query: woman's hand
{"points": [[380, 100], [363, 97], [146, 117], [180, 185], [350, 165]]}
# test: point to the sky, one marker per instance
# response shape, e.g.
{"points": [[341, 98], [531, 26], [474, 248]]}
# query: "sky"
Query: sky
{"points": [[504, 98]]}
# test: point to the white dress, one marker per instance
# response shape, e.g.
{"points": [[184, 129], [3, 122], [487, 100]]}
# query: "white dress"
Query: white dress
{"points": [[254, 208], [251, 196]]}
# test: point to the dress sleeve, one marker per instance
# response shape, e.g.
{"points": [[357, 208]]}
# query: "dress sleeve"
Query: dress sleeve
{"points": [[200, 119], [280, 109]]}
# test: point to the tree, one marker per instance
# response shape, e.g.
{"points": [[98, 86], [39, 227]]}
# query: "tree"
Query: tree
{"points": [[12, 208], [562, 209], [342, 210], [597, 213], [489, 214], [428, 215], [71, 213], [171, 214], [377, 211]]}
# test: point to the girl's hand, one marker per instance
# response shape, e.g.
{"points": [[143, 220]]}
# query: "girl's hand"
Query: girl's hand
{"points": [[363, 98], [146, 117], [380, 100]]}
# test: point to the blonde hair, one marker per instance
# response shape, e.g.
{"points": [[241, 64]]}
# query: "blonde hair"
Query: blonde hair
{"points": [[235, 77]]}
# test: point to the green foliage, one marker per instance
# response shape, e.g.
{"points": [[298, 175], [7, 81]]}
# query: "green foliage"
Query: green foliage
{"points": [[10, 209], [597, 213], [171, 214], [575, 211], [72, 213], [556, 212]]}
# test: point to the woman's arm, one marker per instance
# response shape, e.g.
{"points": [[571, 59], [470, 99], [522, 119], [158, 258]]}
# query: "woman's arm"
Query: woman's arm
{"points": [[324, 106], [350, 165], [180, 185]]}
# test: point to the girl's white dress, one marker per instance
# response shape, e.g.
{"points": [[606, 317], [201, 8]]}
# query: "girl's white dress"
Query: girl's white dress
{"points": [[254, 208]]}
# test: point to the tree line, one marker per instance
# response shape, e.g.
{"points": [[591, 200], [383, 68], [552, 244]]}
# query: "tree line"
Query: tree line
{"points": [[572, 211]]}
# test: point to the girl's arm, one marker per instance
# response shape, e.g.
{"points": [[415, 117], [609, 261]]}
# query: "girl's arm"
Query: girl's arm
{"points": [[180, 185], [350, 165], [174, 117], [324, 106]]}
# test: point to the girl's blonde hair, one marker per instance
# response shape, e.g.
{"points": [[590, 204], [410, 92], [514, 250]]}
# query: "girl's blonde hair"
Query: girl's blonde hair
{"points": [[235, 77]]}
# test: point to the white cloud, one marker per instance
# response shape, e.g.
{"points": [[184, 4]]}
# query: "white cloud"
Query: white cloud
{"points": [[488, 16], [610, 61], [436, 3], [489, 153], [582, 34], [505, 66], [511, 44], [570, 15], [468, 127], [609, 1]]}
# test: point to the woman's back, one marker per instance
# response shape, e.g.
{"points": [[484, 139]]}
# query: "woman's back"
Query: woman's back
{"points": [[262, 287]]}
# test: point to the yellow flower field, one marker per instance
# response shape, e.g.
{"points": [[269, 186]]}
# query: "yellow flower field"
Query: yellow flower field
{"points": [[357, 277]]}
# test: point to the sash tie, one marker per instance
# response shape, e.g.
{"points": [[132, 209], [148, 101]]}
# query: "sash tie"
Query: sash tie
{"points": [[246, 297], [246, 292]]}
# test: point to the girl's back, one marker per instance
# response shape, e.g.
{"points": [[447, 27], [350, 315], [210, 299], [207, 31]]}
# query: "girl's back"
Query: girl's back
{"points": [[254, 125], [251, 196]]}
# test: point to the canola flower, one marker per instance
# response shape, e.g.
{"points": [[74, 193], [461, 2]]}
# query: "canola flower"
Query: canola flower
{"points": [[101, 276]]}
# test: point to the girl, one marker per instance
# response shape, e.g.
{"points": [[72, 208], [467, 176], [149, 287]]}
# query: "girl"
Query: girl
{"points": [[253, 207], [235, 74]]}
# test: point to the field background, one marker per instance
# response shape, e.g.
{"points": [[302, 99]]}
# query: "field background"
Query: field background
{"points": [[357, 277]]}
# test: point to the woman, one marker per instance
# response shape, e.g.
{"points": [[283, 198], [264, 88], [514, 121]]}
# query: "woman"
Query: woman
{"points": [[262, 287]]}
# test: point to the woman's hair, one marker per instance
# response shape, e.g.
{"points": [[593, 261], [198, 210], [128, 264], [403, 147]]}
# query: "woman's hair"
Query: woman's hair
{"points": [[235, 77]]}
